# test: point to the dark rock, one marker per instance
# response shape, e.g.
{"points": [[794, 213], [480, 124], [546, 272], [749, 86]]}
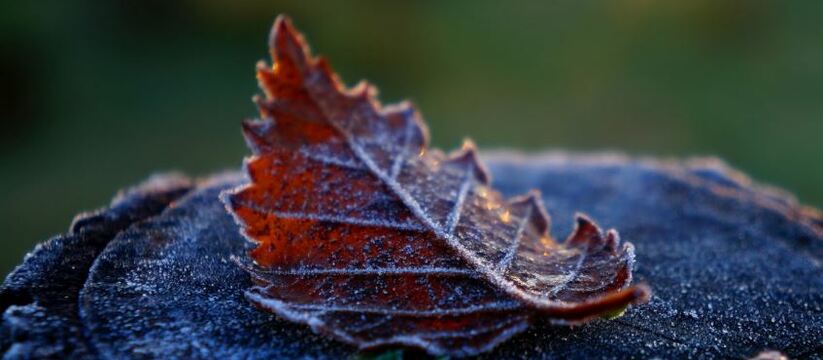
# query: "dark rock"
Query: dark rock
{"points": [[735, 267], [39, 298]]}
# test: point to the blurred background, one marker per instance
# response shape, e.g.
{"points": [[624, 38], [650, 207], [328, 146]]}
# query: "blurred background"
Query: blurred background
{"points": [[96, 95]]}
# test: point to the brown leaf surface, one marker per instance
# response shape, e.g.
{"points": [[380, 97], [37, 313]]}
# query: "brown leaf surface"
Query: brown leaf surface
{"points": [[366, 234]]}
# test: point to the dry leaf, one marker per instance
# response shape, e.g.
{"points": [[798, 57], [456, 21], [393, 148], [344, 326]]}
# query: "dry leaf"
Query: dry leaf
{"points": [[366, 234]]}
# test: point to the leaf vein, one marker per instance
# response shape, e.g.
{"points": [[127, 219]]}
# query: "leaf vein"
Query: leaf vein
{"points": [[488, 307], [454, 216], [506, 262]]}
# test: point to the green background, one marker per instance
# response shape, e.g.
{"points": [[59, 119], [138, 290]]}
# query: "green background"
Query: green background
{"points": [[96, 95]]}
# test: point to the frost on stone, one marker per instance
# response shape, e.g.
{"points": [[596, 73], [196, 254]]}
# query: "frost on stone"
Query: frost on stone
{"points": [[364, 233]]}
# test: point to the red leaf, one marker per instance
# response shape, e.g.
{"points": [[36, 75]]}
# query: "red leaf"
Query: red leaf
{"points": [[366, 234]]}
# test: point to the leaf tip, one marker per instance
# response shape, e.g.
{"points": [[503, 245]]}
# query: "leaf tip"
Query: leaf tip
{"points": [[467, 157], [286, 43], [635, 295], [539, 217], [255, 133], [642, 293], [585, 231], [612, 239], [282, 28], [408, 114]]}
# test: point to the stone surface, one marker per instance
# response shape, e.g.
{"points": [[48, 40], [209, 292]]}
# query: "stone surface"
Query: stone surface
{"points": [[735, 268], [39, 298]]}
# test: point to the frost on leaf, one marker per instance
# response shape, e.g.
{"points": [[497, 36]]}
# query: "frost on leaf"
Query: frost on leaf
{"points": [[366, 234]]}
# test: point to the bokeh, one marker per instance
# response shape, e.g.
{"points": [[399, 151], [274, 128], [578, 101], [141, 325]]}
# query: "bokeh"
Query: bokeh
{"points": [[96, 95]]}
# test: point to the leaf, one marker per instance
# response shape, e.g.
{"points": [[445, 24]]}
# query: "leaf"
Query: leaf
{"points": [[366, 234]]}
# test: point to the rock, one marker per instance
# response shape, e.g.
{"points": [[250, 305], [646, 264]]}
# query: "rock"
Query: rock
{"points": [[39, 298], [735, 268]]}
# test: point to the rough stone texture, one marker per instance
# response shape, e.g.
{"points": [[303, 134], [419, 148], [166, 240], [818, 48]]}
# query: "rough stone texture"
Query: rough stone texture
{"points": [[736, 269], [39, 298]]}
